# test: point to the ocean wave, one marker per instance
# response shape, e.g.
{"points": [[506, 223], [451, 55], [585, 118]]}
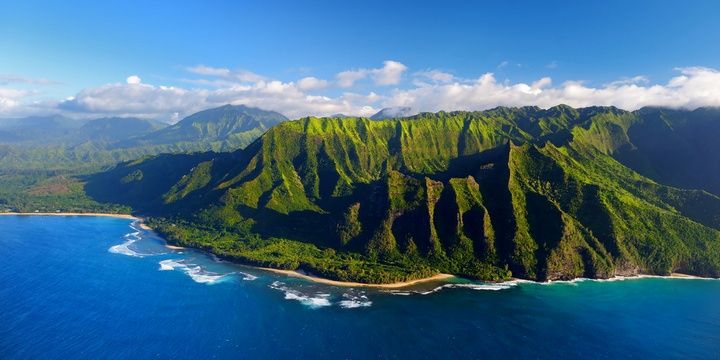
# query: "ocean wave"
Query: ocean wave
{"points": [[195, 272], [312, 301], [576, 281], [248, 277], [479, 287], [167, 265], [472, 286], [353, 301], [124, 248]]}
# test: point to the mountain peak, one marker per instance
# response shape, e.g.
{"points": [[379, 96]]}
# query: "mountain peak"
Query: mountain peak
{"points": [[393, 112]]}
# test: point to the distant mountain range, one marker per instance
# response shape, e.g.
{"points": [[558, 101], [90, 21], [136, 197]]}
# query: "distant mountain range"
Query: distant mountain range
{"points": [[58, 142], [524, 192]]}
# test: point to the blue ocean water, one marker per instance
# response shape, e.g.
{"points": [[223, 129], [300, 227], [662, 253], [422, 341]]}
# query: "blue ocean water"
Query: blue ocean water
{"points": [[93, 287]]}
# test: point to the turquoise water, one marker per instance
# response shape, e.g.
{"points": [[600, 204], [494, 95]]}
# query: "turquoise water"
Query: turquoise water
{"points": [[73, 287]]}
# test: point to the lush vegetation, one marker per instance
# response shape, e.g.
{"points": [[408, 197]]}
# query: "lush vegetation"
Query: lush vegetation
{"points": [[61, 144], [39, 191], [39, 152], [236, 244], [532, 193]]}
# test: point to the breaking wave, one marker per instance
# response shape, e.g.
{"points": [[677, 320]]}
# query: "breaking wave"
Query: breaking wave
{"points": [[479, 287], [195, 272], [352, 301], [130, 238], [312, 301]]}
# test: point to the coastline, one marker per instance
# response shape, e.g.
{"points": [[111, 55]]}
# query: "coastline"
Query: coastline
{"points": [[140, 221], [298, 274], [121, 216], [397, 285]]}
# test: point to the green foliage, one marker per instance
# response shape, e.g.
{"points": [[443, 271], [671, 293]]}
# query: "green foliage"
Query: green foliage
{"points": [[287, 254], [49, 192]]}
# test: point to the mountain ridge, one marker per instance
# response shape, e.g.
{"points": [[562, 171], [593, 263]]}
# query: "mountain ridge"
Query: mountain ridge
{"points": [[525, 192]]}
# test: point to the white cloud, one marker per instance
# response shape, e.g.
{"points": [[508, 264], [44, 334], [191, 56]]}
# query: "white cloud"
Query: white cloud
{"points": [[135, 99], [390, 74], [348, 78], [436, 76], [630, 81], [171, 103], [290, 100], [312, 83], [237, 75], [133, 80], [694, 87], [11, 99]]}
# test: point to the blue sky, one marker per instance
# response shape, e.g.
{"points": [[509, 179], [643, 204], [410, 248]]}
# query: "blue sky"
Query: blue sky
{"points": [[52, 51]]}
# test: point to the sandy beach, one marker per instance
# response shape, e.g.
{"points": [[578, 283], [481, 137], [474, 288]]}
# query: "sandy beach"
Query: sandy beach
{"points": [[293, 273]]}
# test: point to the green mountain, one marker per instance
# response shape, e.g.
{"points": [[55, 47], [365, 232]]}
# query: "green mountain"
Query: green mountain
{"points": [[37, 130], [675, 147], [41, 158], [221, 129], [110, 130], [104, 142], [524, 192]]}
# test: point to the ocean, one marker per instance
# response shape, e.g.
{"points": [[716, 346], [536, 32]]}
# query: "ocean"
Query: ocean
{"points": [[101, 288]]}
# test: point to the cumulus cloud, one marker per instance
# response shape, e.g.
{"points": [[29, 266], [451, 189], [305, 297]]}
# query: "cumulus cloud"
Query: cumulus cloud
{"points": [[390, 74], [435, 76], [312, 83], [694, 87], [133, 80], [10, 99], [171, 103], [135, 98], [289, 99], [348, 78]]}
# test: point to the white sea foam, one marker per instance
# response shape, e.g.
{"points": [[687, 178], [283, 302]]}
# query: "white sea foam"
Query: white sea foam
{"points": [[199, 275], [617, 278], [472, 286], [353, 301], [247, 276], [312, 301], [195, 272], [487, 287], [124, 248], [169, 264]]}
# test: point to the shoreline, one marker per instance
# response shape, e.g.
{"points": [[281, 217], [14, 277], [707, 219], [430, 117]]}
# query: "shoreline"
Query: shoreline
{"points": [[298, 274], [396, 285], [120, 216], [674, 275]]}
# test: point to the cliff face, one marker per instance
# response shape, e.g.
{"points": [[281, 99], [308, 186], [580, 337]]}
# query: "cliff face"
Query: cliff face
{"points": [[539, 194]]}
